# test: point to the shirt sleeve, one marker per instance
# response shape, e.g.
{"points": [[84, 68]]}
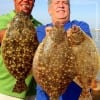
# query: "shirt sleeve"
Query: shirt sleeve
{"points": [[83, 25], [5, 20], [40, 33]]}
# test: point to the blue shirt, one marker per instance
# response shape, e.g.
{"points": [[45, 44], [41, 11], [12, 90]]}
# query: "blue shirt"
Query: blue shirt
{"points": [[73, 91]]}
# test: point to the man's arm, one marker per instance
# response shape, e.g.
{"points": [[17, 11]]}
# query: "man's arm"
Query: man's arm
{"points": [[2, 32]]}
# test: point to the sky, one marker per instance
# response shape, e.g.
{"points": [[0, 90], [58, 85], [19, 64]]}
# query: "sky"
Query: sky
{"points": [[82, 10]]}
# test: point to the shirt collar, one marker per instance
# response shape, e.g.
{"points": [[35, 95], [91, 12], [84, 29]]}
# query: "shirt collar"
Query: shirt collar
{"points": [[67, 25]]}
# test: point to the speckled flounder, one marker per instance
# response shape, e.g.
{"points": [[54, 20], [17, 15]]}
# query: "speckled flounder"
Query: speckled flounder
{"points": [[88, 61], [54, 63], [18, 47]]}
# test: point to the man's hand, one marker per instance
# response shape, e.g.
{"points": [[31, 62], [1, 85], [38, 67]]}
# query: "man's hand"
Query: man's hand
{"points": [[48, 29], [2, 32], [72, 30], [77, 81]]}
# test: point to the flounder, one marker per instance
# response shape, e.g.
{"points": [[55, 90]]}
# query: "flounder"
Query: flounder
{"points": [[54, 63], [88, 59], [18, 47]]}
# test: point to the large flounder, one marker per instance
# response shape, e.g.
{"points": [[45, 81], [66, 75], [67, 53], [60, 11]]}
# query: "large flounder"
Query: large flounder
{"points": [[18, 47], [88, 61], [54, 63]]}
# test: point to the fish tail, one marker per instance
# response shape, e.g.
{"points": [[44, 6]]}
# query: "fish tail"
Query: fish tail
{"points": [[20, 86]]}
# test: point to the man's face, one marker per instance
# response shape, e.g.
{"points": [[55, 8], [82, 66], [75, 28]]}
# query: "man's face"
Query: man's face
{"points": [[59, 9], [24, 5]]}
